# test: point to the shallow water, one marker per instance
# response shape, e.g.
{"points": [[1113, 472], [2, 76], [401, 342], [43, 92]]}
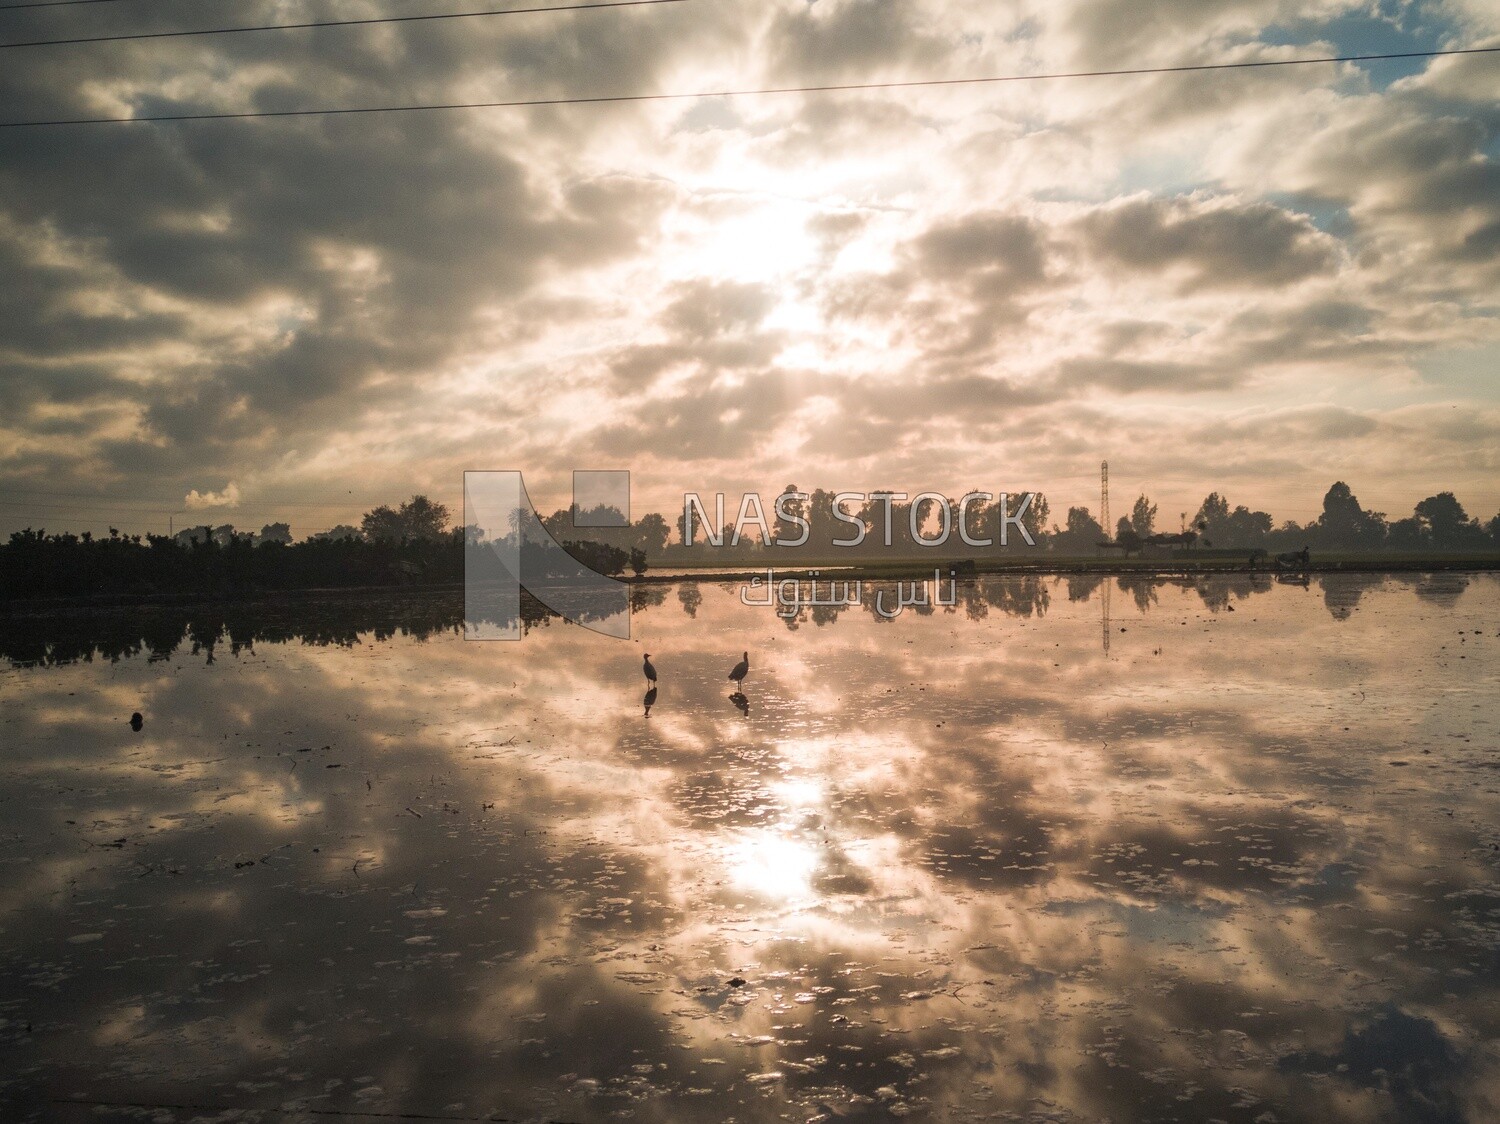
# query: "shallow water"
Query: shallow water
{"points": [[967, 864]]}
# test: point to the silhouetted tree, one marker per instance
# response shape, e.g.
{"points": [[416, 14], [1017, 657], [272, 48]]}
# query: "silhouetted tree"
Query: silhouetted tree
{"points": [[783, 529], [1447, 525], [1081, 533], [1143, 516], [1213, 512], [1347, 525], [651, 533], [599, 557], [417, 518], [1222, 527], [1126, 537], [333, 534], [1035, 519], [1408, 534]]}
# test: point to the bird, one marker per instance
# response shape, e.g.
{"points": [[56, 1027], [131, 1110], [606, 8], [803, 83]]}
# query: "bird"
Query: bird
{"points": [[649, 669], [136, 722], [650, 700], [741, 669]]}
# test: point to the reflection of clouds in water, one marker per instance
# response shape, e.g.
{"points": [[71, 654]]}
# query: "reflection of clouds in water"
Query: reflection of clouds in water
{"points": [[984, 867]]}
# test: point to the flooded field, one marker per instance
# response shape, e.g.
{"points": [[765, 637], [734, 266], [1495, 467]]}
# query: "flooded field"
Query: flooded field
{"points": [[1076, 849]]}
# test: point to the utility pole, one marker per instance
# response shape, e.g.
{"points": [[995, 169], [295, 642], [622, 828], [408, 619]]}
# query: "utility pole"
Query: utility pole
{"points": [[1104, 499]]}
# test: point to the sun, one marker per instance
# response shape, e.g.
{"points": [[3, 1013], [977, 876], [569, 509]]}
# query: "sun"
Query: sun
{"points": [[750, 238]]}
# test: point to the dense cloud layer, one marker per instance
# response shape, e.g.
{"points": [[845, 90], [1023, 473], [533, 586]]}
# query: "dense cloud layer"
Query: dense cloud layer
{"points": [[1193, 275]]}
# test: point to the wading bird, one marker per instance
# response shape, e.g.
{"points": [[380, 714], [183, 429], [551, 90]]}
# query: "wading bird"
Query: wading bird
{"points": [[649, 669], [741, 669]]}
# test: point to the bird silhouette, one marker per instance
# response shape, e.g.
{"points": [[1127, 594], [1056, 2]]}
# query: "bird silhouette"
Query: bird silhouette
{"points": [[650, 700], [741, 669], [741, 703], [136, 722], [649, 669]]}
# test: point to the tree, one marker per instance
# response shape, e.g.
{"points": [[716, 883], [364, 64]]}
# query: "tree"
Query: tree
{"points": [[1035, 519], [1248, 528], [275, 532], [885, 519], [599, 557], [1213, 513], [1224, 528], [785, 529], [652, 533], [1082, 531], [425, 519], [1143, 516], [1409, 534], [417, 518], [1446, 523], [381, 524], [335, 534], [1345, 524], [1126, 537]]}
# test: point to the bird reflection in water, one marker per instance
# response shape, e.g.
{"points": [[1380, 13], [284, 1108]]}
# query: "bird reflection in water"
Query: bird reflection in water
{"points": [[649, 701], [741, 703]]}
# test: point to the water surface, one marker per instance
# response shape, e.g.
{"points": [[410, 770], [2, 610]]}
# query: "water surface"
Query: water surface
{"points": [[1216, 850]]}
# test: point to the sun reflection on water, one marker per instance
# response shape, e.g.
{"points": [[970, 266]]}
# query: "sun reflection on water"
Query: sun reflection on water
{"points": [[771, 864]]}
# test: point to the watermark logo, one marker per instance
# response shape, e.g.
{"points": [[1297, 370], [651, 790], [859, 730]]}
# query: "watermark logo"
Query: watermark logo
{"points": [[565, 561], [508, 548], [860, 514], [791, 595]]}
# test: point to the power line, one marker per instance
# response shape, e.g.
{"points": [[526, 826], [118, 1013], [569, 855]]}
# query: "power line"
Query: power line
{"points": [[850, 87], [51, 4], [337, 23]]}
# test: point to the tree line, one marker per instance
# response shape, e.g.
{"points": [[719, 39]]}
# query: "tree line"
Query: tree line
{"points": [[416, 542], [1437, 524]]}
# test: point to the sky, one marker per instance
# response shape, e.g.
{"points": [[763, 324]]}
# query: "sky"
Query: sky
{"points": [[1254, 281]]}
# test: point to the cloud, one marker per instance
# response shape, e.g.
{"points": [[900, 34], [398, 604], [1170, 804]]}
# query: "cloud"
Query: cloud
{"points": [[199, 501], [706, 308], [1133, 377], [837, 39], [1212, 243], [730, 288]]}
